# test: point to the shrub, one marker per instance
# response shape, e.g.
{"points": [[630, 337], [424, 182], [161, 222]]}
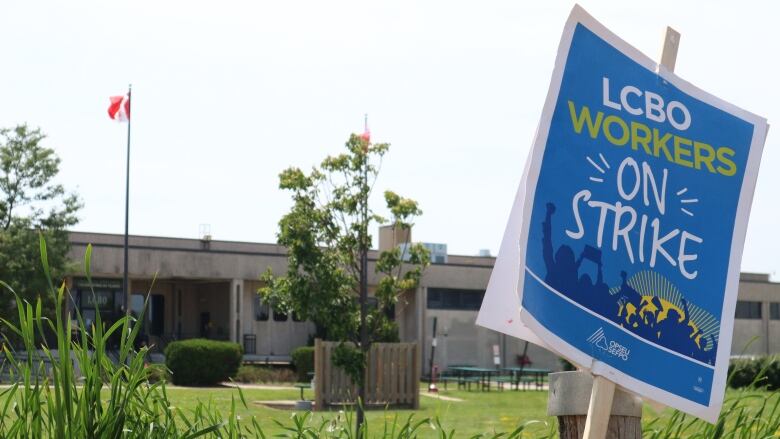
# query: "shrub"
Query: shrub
{"points": [[200, 362], [256, 374], [566, 365], [758, 371], [303, 360], [157, 372]]}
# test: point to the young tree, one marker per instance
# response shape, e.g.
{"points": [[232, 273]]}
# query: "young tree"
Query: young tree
{"points": [[326, 234], [31, 202]]}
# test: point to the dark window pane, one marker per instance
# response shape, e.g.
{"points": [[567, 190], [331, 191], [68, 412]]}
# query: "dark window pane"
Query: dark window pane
{"points": [[774, 311], [280, 316], [471, 300], [390, 312], [157, 314], [434, 298], [451, 300], [454, 299], [748, 310], [261, 309], [119, 301]]}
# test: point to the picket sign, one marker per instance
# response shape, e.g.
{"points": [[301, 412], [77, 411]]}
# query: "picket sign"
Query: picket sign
{"points": [[603, 389]]}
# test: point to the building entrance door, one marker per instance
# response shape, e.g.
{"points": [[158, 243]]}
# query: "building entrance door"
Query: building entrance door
{"points": [[205, 324]]}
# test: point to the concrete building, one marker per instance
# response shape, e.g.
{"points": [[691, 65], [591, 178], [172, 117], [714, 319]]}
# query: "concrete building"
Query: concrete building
{"points": [[757, 322], [206, 288]]}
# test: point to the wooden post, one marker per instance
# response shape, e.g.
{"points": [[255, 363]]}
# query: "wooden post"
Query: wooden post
{"points": [[319, 376], [599, 408], [603, 390], [669, 51], [570, 399]]}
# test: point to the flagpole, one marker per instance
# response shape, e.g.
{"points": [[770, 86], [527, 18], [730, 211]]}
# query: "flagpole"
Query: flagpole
{"points": [[125, 282]]}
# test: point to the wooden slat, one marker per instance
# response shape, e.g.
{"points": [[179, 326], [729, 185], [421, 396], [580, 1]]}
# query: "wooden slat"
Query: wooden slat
{"points": [[392, 376], [416, 368], [328, 375], [401, 355], [371, 395], [408, 376], [388, 371], [318, 375]]}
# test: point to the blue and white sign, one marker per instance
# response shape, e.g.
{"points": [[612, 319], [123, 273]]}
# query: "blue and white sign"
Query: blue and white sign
{"points": [[632, 222]]}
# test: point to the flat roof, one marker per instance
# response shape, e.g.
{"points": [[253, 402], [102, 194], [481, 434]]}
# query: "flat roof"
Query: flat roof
{"points": [[162, 243], [218, 246]]}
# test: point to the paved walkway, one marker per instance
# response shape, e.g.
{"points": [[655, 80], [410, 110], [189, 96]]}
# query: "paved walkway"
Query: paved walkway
{"points": [[441, 397], [259, 386]]}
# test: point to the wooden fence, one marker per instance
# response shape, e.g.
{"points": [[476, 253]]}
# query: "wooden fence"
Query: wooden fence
{"points": [[392, 376]]}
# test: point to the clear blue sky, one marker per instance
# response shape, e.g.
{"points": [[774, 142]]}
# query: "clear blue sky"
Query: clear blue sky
{"points": [[227, 94]]}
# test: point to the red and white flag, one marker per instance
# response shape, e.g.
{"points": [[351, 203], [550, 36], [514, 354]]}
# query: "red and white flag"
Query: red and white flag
{"points": [[119, 110], [366, 132]]}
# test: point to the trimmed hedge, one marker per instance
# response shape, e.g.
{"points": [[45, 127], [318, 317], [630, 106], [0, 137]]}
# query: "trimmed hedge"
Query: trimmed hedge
{"points": [[761, 371], [303, 360], [259, 374], [201, 362]]}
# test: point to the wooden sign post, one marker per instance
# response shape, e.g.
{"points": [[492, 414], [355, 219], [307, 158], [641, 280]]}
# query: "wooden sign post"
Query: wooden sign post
{"points": [[604, 390]]}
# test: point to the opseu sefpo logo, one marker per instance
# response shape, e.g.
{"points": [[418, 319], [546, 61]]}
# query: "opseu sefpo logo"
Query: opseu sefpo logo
{"points": [[599, 339]]}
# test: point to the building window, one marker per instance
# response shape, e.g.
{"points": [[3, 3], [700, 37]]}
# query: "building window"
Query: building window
{"points": [[774, 311], [261, 309], [748, 310], [157, 315], [280, 316], [454, 299]]}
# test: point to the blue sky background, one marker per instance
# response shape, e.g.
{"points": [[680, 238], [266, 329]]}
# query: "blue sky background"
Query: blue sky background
{"points": [[228, 94]]}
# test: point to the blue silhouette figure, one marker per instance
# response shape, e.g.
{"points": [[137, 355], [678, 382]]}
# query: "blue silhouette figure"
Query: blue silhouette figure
{"points": [[631, 295], [711, 352], [674, 331], [561, 270]]}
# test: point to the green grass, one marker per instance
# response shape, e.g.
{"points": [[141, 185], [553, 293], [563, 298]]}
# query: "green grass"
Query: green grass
{"points": [[479, 412]]}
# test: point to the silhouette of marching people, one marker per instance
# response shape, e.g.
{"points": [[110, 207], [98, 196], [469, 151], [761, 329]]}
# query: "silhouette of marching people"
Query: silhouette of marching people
{"points": [[563, 272], [674, 330]]}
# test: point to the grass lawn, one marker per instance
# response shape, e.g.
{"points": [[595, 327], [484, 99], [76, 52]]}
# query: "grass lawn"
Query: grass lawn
{"points": [[475, 413], [479, 412]]}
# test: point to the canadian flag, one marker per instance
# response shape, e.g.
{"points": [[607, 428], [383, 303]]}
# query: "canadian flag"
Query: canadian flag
{"points": [[119, 110], [366, 136]]}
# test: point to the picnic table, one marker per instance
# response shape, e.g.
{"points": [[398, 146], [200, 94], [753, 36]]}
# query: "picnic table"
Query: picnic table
{"points": [[302, 386], [467, 374], [519, 372]]}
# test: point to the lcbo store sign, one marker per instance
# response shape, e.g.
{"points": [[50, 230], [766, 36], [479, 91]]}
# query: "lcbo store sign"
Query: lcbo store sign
{"points": [[624, 245]]}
